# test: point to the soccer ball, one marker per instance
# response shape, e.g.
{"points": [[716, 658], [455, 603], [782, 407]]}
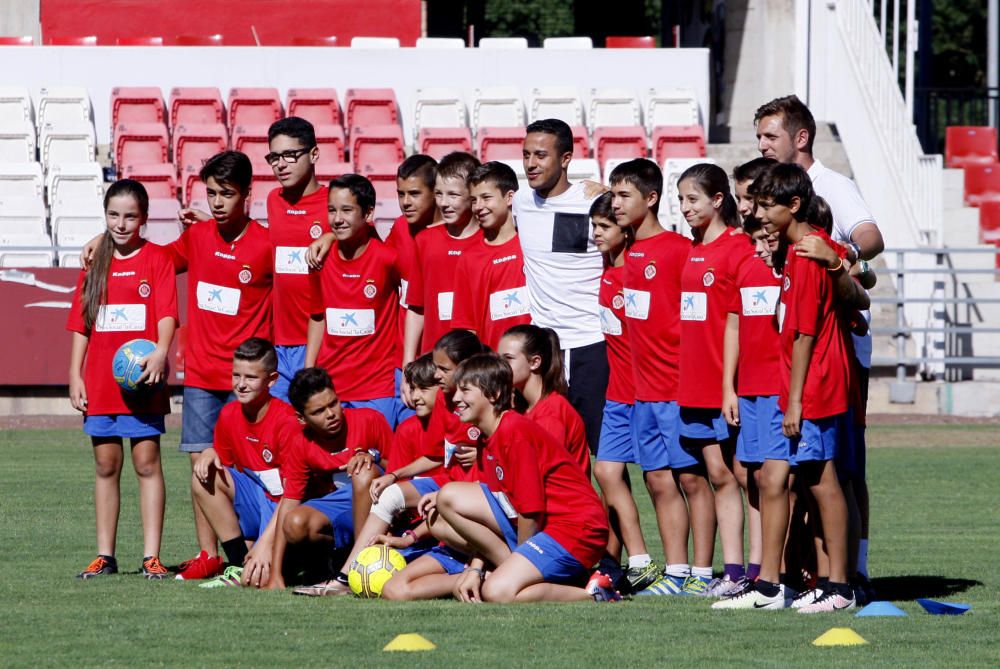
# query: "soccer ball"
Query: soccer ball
{"points": [[373, 567], [125, 365]]}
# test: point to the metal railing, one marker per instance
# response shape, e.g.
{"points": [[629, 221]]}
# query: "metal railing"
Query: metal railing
{"points": [[937, 108]]}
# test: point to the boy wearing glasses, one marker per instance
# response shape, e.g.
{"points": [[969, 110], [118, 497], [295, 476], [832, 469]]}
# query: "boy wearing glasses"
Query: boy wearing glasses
{"points": [[296, 215]]}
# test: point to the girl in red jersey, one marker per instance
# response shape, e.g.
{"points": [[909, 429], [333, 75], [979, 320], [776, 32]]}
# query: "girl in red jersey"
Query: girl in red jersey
{"points": [[534, 355], [707, 282], [128, 293]]}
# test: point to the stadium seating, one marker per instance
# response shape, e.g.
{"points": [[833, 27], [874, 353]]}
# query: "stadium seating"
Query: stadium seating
{"points": [[21, 180], [71, 40], [672, 170], [17, 142], [66, 181], [14, 40], [374, 42], [163, 225], [194, 106], [33, 257], [251, 140], [581, 142], [139, 41], [330, 40], [383, 178], [258, 211], [15, 105], [617, 42], [22, 216], [561, 102], [199, 40], [982, 183], [438, 108], [613, 107], [585, 168], [319, 106], [386, 212], [160, 180], [193, 188], [254, 106], [970, 145], [137, 105], [518, 167], [439, 142], [75, 221], [619, 142], [503, 43], [67, 143], [568, 43], [678, 142], [63, 105], [331, 142], [193, 144], [370, 106], [501, 143], [331, 169], [670, 107], [496, 107], [989, 222], [140, 144], [440, 43], [376, 144]]}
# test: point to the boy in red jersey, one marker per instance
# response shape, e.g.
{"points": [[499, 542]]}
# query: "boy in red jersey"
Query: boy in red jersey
{"points": [[355, 307], [432, 287], [326, 470], [490, 290], [236, 482], [296, 216], [561, 528], [652, 292]]}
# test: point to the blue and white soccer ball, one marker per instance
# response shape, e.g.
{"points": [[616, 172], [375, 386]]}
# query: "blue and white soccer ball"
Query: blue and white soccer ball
{"points": [[125, 366]]}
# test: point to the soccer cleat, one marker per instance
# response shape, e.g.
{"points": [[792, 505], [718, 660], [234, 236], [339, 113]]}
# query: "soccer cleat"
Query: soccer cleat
{"points": [[230, 578], [739, 587], [602, 589], [806, 597], [722, 587], [752, 598], [331, 588], [665, 585], [828, 602], [200, 567], [695, 586], [640, 578], [103, 565], [153, 569]]}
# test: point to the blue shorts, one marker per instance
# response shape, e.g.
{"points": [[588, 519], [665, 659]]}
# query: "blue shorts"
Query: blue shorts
{"points": [[760, 436], [390, 407], [658, 443], [424, 485], [617, 442], [198, 417], [704, 425], [503, 520], [418, 549], [252, 506], [818, 440], [555, 563], [125, 426], [450, 559], [290, 360], [338, 508], [851, 451]]}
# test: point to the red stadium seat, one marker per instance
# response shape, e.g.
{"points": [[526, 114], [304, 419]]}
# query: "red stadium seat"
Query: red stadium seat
{"points": [[254, 106], [163, 225], [193, 106], [139, 41], [137, 105], [140, 144], [376, 145], [251, 140], [194, 144], [370, 106], [982, 183], [13, 40], [989, 222], [678, 141], [314, 41], [619, 142], [617, 42], [439, 142], [192, 185], [199, 40], [329, 169], [383, 177], [264, 180], [581, 142], [330, 140], [160, 180], [970, 145], [87, 40], [319, 106], [501, 143]]}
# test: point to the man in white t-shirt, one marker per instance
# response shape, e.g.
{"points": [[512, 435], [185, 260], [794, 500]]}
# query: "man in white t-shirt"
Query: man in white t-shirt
{"points": [[563, 266], [785, 132]]}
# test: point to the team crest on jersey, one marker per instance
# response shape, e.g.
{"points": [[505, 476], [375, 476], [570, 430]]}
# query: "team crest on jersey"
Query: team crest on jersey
{"points": [[473, 433], [499, 473], [245, 275], [788, 283], [267, 455], [144, 289], [618, 301], [370, 290], [650, 271], [708, 278], [316, 230]]}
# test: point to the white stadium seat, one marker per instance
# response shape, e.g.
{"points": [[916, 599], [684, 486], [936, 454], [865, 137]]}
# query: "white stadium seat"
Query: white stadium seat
{"points": [[21, 180], [561, 102], [375, 42], [584, 168], [64, 104], [163, 225], [23, 216], [503, 43], [568, 43], [611, 164], [439, 108], [518, 167], [38, 254], [676, 107], [613, 107], [17, 142], [440, 43], [497, 107], [76, 220], [15, 105], [74, 180], [67, 143]]}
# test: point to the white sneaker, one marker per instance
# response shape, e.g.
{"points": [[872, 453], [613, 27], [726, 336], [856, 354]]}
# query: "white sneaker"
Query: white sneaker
{"points": [[829, 602], [806, 597], [752, 598], [723, 587]]}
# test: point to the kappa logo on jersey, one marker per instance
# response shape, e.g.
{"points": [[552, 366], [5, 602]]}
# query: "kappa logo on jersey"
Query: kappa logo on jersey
{"points": [[144, 289], [121, 318], [290, 260], [267, 455], [759, 300], [245, 275], [350, 322], [316, 230], [708, 279], [218, 299], [370, 290], [650, 271], [473, 433], [618, 301], [694, 306]]}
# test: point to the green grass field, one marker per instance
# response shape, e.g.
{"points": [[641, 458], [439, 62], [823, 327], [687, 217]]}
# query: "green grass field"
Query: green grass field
{"points": [[934, 529]]}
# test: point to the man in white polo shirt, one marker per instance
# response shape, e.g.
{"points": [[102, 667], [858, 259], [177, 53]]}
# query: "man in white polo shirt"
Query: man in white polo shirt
{"points": [[563, 266]]}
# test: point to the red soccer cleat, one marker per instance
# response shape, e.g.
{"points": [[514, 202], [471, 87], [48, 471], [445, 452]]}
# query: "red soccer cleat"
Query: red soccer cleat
{"points": [[201, 567]]}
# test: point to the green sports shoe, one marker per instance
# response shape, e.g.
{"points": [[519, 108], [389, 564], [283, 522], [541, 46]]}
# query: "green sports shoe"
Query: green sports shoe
{"points": [[640, 578], [695, 586], [664, 586], [230, 578]]}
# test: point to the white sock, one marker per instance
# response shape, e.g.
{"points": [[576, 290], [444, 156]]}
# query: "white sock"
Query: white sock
{"points": [[639, 561], [701, 572], [678, 570], [863, 558]]}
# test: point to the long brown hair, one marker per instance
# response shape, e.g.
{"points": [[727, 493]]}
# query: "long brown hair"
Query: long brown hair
{"points": [[711, 180], [95, 283], [543, 342]]}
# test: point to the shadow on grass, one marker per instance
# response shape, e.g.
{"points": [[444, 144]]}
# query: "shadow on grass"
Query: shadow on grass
{"points": [[909, 588]]}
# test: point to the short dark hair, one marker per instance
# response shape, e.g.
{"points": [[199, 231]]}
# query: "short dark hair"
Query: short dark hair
{"points": [[421, 166], [296, 128], [361, 188], [553, 126], [457, 165], [257, 349], [420, 372], [642, 173], [795, 116], [601, 207], [752, 169], [492, 375], [782, 182], [499, 174], [229, 167], [306, 383], [459, 344]]}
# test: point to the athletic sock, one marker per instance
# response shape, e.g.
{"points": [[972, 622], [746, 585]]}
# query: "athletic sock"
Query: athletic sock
{"points": [[753, 571], [823, 583], [842, 589], [639, 561], [235, 550], [341, 577], [702, 572], [678, 570], [767, 588], [734, 571], [863, 558]]}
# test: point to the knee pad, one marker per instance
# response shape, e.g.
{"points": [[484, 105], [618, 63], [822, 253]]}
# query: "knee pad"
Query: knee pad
{"points": [[389, 504]]}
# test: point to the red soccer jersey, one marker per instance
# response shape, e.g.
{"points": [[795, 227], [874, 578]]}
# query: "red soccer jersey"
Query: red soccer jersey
{"points": [[707, 282], [432, 286], [401, 241], [408, 443], [141, 292], [807, 307], [445, 434], [538, 476], [561, 420], [292, 227], [652, 290], [755, 301], [359, 300], [255, 448], [491, 294], [308, 466], [230, 298], [611, 301]]}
